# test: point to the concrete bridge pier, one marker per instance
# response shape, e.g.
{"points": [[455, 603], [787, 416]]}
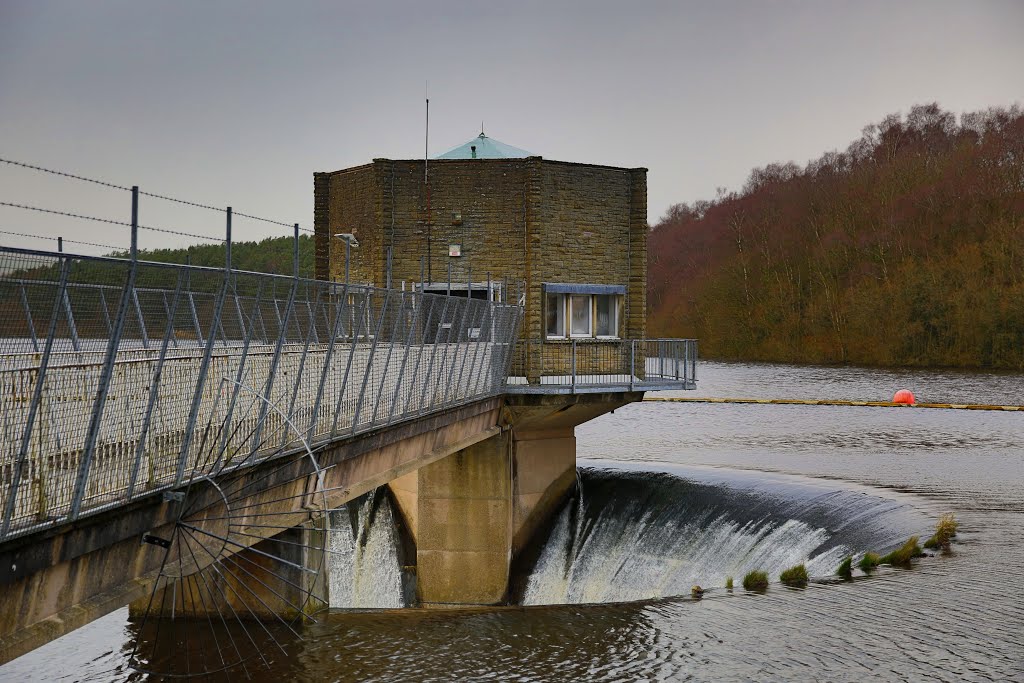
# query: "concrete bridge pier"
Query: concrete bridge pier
{"points": [[473, 511]]}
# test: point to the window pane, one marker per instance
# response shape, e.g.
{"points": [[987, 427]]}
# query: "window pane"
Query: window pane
{"points": [[555, 316], [606, 314], [580, 306]]}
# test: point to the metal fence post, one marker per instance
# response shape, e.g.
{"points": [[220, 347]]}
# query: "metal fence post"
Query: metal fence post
{"points": [[328, 358], [33, 406], [302, 360], [369, 361], [282, 339], [422, 298], [70, 317], [433, 355], [472, 346], [574, 366], [28, 317], [363, 314], [413, 320], [250, 331], [457, 328], [154, 387], [204, 364], [142, 321], [113, 346], [632, 363], [387, 360], [693, 361]]}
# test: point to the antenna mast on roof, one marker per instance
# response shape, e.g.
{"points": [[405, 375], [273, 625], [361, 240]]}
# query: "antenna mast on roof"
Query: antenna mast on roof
{"points": [[426, 179], [426, 135]]}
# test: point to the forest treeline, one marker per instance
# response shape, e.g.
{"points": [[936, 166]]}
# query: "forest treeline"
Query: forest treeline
{"points": [[271, 255], [906, 249]]}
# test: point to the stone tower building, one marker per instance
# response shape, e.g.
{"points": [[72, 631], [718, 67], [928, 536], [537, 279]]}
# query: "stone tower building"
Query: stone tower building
{"points": [[567, 240]]}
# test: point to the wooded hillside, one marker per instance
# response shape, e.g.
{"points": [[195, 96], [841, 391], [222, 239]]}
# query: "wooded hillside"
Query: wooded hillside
{"points": [[906, 249]]}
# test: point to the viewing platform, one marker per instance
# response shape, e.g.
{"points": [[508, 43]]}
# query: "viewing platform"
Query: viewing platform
{"points": [[601, 366]]}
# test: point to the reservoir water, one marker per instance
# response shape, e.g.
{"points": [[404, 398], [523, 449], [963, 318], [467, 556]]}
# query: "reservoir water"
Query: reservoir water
{"points": [[676, 494]]}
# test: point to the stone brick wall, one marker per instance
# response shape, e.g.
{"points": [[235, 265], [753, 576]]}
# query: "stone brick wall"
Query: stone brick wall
{"points": [[529, 220], [352, 204]]}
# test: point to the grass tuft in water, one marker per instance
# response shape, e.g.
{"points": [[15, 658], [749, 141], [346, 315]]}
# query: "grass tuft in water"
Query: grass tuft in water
{"points": [[945, 530], [902, 556], [728, 583], [869, 562], [845, 569], [696, 592], [794, 576], [756, 580]]}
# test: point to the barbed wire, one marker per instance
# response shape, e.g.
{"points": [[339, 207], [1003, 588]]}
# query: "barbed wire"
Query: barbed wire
{"points": [[65, 240], [64, 173], [178, 232], [148, 194], [181, 201], [110, 221]]}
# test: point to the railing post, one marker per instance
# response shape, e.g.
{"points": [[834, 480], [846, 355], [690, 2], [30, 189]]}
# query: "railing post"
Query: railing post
{"points": [[427, 381], [328, 359], [422, 298], [387, 359], [28, 317], [113, 346], [282, 339], [693, 362], [72, 329], [632, 364], [413, 320], [369, 361], [250, 330], [448, 347], [154, 387], [574, 366], [37, 395], [302, 361], [142, 320], [475, 373], [470, 304], [227, 241], [353, 333], [204, 364]]}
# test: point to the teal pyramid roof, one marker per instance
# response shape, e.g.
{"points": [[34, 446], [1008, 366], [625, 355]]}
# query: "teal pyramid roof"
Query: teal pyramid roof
{"points": [[486, 148]]}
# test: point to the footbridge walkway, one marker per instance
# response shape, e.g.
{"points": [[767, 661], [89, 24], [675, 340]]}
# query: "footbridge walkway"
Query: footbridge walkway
{"points": [[152, 412]]}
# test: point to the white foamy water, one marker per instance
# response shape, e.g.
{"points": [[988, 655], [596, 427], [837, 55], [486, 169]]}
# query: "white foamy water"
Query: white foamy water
{"points": [[365, 571], [619, 560], [638, 536]]}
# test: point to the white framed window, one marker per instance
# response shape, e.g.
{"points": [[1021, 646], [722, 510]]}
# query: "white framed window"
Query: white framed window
{"points": [[582, 311], [581, 315], [606, 315], [555, 315]]}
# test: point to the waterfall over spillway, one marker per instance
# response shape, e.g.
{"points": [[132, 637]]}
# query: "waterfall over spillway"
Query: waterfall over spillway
{"points": [[365, 571], [633, 535]]}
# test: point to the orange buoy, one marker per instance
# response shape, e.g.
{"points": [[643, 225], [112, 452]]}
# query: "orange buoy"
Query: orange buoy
{"points": [[904, 396]]}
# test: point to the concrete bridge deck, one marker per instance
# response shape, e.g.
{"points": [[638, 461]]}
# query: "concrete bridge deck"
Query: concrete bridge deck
{"points": [[219, 415]]}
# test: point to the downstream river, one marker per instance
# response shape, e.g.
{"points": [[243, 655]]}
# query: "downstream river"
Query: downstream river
{"points": [[677, 494]]}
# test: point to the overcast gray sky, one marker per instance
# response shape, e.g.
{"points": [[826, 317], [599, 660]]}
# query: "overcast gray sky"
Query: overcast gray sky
{"points": [[237, 103]]}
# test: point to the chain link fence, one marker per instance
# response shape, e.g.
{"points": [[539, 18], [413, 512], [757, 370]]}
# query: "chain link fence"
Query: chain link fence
{"points": [[119, 378]]}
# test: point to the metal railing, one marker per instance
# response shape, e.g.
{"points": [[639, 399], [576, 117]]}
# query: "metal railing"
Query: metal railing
{"points": [[588, 365], [119, 378]]}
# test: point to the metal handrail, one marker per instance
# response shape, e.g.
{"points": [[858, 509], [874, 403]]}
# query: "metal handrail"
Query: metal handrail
{"points": [[109, 390], [582, 365]]}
